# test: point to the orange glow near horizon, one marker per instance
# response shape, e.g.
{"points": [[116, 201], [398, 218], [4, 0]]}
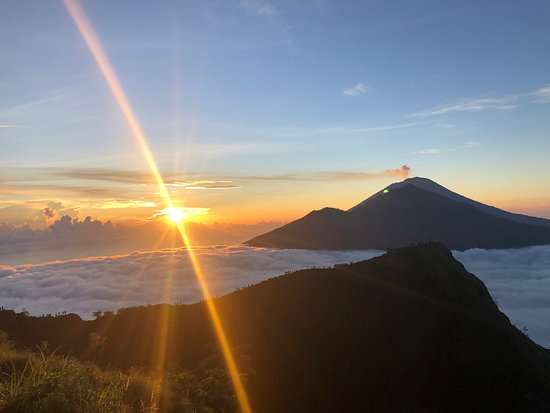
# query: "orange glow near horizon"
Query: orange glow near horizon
{"points": [[93, 43], [176, 215]]}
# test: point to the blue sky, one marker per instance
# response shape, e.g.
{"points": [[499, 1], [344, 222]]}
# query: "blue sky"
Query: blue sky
{"points": [[237, 90]]}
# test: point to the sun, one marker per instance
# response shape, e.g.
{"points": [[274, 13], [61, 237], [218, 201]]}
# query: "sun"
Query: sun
{"points": [[175, 215], [178, 215]]}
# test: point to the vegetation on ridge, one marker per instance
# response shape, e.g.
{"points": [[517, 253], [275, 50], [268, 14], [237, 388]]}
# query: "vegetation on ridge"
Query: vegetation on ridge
{"points": [[46, 382]]}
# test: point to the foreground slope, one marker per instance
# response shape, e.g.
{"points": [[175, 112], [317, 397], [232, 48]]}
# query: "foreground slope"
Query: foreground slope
{"points": [[411, 331], [411, 211]]}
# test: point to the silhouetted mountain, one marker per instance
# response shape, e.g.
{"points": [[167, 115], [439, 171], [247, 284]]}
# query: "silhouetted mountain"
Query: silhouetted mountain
{"points": [[410, 331], [431, 186], [407, 212]]}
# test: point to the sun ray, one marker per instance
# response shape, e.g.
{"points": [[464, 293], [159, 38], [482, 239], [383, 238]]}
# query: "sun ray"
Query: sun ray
{"points": [[104, 328], [92, 41]]}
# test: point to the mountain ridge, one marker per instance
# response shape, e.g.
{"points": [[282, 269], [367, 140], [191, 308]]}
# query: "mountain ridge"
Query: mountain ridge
{"points": [[410, 330], [432, 186], [405, 213]]}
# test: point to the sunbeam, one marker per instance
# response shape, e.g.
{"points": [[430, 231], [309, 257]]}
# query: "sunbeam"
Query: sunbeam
{"points": [[92, 41]]}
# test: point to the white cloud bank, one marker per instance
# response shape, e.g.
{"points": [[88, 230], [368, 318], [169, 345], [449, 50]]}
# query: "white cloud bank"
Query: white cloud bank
{"points": [[109, 283], [518, 279]]}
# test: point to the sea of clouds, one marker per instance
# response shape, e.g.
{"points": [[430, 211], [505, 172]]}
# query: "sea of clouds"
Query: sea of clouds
{"points": [[109, 283], [518, 279], [519, 282]]}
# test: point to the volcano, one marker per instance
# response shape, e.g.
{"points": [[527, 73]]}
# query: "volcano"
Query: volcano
{"points": [[408, 212]]}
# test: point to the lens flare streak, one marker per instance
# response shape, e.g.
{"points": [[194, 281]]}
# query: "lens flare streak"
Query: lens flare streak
{"points": [[93, 43]]}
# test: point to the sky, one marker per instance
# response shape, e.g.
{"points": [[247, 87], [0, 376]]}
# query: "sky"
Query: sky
{"points": [[260, 111]]}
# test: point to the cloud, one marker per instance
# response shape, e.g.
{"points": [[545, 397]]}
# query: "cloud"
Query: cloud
{"points": [[70, 238], [10, 126], [386, 127], [48, 212], [56, 206], [204, 184], [5, 271], [69, 190], [401, 172], [356, 90], [34, 213], [123, 176], [54, 97], [331, 131], [519, 281], [110, 175], [109, 283], [479, 104], [432, 151], [53, 208], [21, 214], [259, 7], [542, 95], [66, 229], [471, 105], [435, 151], [119, 204], [445, 125]]}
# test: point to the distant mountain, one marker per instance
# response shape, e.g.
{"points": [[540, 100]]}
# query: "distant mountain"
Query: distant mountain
{"points": [[410, 331], [408, 212]]}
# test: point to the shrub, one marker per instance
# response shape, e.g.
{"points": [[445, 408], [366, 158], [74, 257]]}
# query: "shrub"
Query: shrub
{"points": [[45, 382]]}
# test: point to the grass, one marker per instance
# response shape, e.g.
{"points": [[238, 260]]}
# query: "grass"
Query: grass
{"points": [[44, 382]]}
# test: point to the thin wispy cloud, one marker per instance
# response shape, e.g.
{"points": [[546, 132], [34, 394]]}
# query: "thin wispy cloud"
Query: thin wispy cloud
{"points": [[122, 176], [24, 108], [106, 174], [357, 90], [437, 151], [204, 184], [483, 103], [471, 105], [402, 172], [305, 132], [471, 144], [3, 126], [542, 94], [65, 190], [120, 203], [432, 151], [387, 127], [259, 7], [200, 180]]}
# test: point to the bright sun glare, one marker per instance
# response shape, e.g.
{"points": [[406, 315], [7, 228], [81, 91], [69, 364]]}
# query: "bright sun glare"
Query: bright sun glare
{"points": [[175, 215], [178, 215]]}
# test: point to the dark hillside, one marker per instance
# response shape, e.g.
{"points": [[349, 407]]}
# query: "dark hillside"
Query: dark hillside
{"points": [[411, 331]]}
